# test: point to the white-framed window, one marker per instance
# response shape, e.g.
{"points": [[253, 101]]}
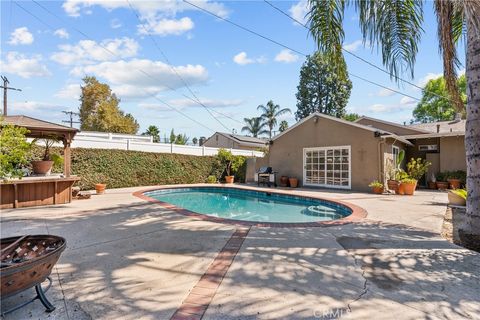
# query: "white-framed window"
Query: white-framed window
{"points": [[327, 167]]}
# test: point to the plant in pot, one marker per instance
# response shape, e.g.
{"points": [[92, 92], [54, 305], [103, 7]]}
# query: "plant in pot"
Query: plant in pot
{"points": [[454, 179], [408, 185], [442, 183], [100, 188], [432, 183], [416, 168], [377, 187], [392, 183], [49, 159], [457, 197], [400, 176], [231, 163]]}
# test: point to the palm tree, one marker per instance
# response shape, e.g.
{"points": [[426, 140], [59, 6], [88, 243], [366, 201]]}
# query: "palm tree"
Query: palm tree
{"points": [[396, 28], [254, 126], [283, 126], [154, 132], [270, 114]]}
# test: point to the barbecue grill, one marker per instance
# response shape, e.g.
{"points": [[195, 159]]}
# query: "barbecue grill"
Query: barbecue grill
{"points": [[266, 175]]}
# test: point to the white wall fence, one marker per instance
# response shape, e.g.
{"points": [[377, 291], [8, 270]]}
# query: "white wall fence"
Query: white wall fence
{"points": [[100, 140]]}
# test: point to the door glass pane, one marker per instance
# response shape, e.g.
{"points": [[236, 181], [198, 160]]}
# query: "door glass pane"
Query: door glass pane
{"points": [[327, 167]]}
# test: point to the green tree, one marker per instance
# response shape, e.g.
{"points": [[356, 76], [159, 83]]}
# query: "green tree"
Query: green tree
{"points": [[254, 126], [181, 139], [14, 151], [321, 88], [351, 116], [173, 137], [194, 141], [154, 132], [395, 27], [270, 113], [436, 104], [283, 126], [99, 109]]}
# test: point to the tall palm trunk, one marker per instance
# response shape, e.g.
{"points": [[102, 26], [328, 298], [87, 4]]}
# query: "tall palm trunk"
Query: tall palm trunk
{"points": [[468, 227]]}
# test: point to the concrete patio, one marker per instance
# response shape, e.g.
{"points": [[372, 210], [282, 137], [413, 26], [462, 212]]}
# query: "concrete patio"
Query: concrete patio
{"points": [[130, 259]]}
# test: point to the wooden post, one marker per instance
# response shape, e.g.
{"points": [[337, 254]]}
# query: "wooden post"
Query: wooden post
{"points": [[67, 159]]}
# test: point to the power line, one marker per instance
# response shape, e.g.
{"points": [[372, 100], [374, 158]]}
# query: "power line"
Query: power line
{"points": [[5, 90], [285, 46], [175, 70], [71, 114], [358, 57], [112, 53]]}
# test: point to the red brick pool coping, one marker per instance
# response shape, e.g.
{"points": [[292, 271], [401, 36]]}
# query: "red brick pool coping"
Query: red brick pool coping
{"points": [[357, 214], [199, 298]]}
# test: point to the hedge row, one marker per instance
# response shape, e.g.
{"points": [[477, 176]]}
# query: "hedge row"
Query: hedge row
{"points": [[122, 168]]}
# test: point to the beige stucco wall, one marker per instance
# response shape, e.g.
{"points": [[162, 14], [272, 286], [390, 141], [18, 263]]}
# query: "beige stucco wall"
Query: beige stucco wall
{"points": [[452, 154], [399, 130], [286, 152]]}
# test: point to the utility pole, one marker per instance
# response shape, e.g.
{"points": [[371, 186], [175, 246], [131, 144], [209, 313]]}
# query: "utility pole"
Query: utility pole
{"points": [[5, 88], [71, 114]]}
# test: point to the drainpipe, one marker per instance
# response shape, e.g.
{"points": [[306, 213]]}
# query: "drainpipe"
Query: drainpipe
{"points": [[381, 160]]}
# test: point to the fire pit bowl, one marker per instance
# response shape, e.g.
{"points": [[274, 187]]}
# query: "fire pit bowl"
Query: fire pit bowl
{"points": [[26, 262]]}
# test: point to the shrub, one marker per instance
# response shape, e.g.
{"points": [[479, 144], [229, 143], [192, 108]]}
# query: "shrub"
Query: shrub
{"points": [[416, 168], [14, 151], [232, 164], [212, 179], [122, 168], [376, 184]]}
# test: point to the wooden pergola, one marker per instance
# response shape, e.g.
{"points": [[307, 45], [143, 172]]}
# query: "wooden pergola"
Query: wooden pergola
{"points": [[40, 190]]}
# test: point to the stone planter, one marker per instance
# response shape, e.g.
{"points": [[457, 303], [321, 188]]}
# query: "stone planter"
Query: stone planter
{"points": [[456, 200], [283, 181], [100, 188], [229, 179], [293, 182]]}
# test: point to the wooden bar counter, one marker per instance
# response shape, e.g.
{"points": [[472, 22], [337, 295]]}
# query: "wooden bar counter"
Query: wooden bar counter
{"points": [[36, 191]]}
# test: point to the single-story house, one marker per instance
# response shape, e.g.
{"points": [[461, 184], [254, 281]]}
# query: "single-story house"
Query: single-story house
{"points": [[235, 141], [324, 151]]}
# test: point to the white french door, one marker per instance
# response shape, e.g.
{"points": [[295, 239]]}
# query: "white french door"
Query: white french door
{"points": [[327, 167]]}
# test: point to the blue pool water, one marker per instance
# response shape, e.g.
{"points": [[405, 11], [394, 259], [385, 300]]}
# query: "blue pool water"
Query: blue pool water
{"points": [[246, 205]]}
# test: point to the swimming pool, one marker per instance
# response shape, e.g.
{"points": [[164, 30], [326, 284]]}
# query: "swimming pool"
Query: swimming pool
{"points": [[250, 205]]}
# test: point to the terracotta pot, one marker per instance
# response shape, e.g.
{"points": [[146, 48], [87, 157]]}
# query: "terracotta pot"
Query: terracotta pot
{"points": [[442, 185], [409, 188], [432, 185], [283, 181], [377, 190], [454, 183], [42, 167], [455, 199], [100, 188], [401, 189], [229, 179], [392, 185], [293, 182]]}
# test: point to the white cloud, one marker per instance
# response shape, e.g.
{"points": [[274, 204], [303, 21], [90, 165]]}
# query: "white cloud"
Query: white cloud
{"points": [[353, 46], [428, 77], [32, 106], [89, 51], [405, 104], [24, 66], [70, 91], [211, 103], [21, 36], [242, 59], [385, 93], [286, 56], [127, 79], [164, 27], [299, 11], [115, 23], [62, 33]]}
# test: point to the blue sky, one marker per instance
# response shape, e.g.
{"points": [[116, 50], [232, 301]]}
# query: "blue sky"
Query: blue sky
{"points": [[230, 70]]}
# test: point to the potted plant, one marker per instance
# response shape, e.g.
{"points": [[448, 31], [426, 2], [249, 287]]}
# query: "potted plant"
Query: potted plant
{"points": [[377, 187], [231, 163], [454, 179], [432, 184], [457, 197], [400, 176], [100, 188], [283, 181], [408, 185], [442, 183], [416, 168], [293, 182], [392, 183], [49, 159]]}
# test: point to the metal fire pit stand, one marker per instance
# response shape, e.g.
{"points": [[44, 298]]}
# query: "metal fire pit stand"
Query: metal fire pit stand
{"points": [[49, 307]]}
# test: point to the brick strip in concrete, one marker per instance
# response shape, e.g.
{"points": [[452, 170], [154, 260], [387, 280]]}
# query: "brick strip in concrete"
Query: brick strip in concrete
{"points": [[199, 298]]}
